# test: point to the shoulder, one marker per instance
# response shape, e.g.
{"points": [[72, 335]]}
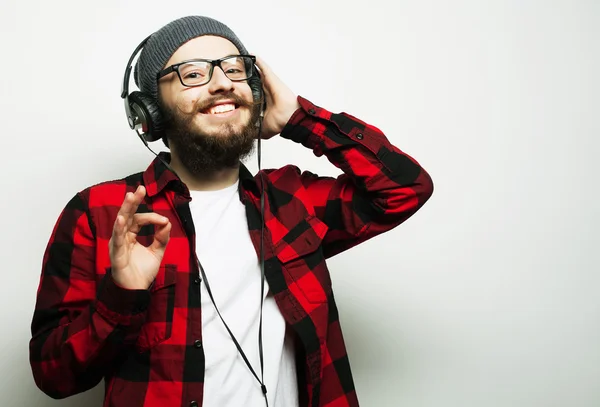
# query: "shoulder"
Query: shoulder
{"points": [[296, 189], [287, 178], [286, 174], [110, 192]]}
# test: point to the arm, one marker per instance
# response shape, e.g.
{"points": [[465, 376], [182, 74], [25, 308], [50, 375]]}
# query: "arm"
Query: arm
{"points": [[79, 326], [381, 186]]}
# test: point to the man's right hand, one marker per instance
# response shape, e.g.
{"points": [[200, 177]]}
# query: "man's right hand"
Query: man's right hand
{"points": [[134, 266]]}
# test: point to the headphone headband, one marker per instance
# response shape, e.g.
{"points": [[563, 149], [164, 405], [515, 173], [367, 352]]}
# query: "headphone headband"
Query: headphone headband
{"points": [[125, 87], [132, 118]]}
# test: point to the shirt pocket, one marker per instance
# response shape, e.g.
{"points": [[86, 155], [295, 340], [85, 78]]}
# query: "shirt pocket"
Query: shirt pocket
{"points": [[158, 326], [301, 256]]}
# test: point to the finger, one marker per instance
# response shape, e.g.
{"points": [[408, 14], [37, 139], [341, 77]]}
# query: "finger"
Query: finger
{"points": [[131, 205], [116, 244], [271, 82], [138, 197], [140, 192], [126, 211], [262, 65], [131, 202], [265, 71], [161, 238], [142, 219], [118, 233], [126, 205]]}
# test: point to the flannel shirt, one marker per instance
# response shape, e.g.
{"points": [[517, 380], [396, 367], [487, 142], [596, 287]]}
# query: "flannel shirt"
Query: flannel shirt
{"points": [[147, 344]]}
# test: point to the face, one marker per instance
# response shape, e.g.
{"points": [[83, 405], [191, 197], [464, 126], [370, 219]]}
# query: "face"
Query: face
{"points": [[212, 126]]}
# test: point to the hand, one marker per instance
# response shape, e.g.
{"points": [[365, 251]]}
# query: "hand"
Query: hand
{"points": [[281, 102], [135, 266]]}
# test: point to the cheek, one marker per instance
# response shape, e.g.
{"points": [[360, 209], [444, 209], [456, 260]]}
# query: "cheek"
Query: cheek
{"points": [[247, 93], [186, 101]]}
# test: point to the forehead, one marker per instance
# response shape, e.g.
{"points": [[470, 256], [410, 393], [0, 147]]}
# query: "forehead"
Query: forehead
{"points": [[207, 46]]}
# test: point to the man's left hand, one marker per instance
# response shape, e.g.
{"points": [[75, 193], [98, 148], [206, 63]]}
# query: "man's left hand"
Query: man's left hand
{"points": [[281, 102]]}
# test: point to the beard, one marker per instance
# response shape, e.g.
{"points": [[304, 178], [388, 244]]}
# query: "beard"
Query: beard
{"points": [[201, 153]]}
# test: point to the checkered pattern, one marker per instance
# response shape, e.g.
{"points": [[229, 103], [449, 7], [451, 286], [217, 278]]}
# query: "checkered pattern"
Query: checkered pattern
{"points": [[147, 344]]}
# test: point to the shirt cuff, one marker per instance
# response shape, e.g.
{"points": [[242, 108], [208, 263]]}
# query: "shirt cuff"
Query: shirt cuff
{"points": [[300, 127], [119, 304]]}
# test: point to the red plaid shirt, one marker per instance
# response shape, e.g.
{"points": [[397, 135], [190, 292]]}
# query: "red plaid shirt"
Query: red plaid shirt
{"points": [[147, 344]]}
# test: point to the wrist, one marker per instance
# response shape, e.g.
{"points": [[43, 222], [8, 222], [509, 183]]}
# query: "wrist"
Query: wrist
{"points": [[288, 112], [128, 283]]}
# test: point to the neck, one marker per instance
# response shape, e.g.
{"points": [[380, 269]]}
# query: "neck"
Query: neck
{"points": [[209, 181]]}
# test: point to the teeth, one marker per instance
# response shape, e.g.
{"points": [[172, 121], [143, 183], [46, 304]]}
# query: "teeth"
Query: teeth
{"points": [[221, 109]]}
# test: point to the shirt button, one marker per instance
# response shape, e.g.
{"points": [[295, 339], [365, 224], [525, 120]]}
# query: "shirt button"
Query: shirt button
{"points": [[193, 404], [359, 136], [312, 111], [196, 281], [198, 343]]}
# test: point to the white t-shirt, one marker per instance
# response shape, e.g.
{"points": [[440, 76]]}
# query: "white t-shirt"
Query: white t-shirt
{"points": [[232, 268]]}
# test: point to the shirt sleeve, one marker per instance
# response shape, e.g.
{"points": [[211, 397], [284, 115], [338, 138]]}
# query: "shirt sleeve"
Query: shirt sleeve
{"points": [[81, 319], [381, 186]]}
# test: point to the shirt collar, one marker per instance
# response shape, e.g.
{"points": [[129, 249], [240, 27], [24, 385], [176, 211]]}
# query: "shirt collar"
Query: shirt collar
{"points": [[158, 176]]}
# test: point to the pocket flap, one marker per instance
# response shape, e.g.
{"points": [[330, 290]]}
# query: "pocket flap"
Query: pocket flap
{"points": [[167, 276], [304, 238]]}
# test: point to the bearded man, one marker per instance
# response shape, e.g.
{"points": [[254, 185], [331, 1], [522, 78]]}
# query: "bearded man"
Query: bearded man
{"points": [[194, 282]]}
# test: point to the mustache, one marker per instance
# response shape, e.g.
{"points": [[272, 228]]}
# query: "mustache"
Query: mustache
{"points": [[202, 105]]}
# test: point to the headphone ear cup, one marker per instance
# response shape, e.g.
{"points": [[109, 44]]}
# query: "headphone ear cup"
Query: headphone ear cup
{"points": [[255, 83], [149, 115]]}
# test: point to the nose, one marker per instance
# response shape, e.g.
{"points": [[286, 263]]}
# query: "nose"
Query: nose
{"points": [[219, 83]]}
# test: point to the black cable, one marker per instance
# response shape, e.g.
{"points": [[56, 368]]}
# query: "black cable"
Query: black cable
{"points": [[262, 271]]}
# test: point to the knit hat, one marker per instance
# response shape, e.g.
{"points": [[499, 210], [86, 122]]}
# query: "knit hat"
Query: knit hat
{"points": [[163, 43]]}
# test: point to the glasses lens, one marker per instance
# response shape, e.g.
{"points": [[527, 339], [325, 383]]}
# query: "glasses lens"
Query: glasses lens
{"points": [[194, 73], [237, 68]]}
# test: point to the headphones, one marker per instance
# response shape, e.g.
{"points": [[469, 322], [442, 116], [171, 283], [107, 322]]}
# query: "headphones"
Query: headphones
{"points": [[143, 113]]}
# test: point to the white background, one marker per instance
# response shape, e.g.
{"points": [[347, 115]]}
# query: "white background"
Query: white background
{"points": [[487, 297]]}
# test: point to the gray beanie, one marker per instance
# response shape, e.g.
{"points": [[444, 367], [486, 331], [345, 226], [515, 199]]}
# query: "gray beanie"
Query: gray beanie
{"points": [[163, 43]]}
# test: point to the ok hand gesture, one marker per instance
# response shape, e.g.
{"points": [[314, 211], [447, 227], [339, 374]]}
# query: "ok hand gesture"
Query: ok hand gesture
{"points": [[134, 266]]}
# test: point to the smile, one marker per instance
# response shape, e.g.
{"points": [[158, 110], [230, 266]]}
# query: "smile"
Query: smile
{"points": [[221, 110]]}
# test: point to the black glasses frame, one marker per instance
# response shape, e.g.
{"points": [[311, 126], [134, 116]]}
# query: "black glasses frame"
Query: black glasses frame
{"points": [[212, 62]]}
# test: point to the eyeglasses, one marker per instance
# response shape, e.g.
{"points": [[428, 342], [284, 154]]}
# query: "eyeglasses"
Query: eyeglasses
{"points": [[197, 72]]}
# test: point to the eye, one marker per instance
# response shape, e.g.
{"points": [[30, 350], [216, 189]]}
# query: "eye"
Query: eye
{"points": [[194, 70], [233, 70], [193, 75]]}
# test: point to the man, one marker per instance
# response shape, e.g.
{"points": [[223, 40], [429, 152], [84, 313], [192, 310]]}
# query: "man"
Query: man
{"points": [[153, 282]]}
